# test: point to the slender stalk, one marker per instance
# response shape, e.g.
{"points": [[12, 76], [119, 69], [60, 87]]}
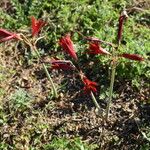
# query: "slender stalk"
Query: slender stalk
{"points": [[47, 74], [95, 102], [111, 90], [51, 81], [122, 17], [113, 71]]}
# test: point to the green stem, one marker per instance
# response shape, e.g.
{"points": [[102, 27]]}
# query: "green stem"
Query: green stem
{"points": [[51, 81], [95, 102], [111, 89], [47, 74]]}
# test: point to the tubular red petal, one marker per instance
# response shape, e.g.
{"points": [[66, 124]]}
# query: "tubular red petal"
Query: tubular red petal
{"points": [[33, 25], [89, 85], [133, 57], [7, 38], [6, 35], [67, 45], [103, 51], [62, 64], [36, 25], [95, 48], [122, 18]]}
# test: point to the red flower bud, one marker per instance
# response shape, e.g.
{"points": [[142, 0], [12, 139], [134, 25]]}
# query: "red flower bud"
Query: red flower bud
{"points": [[89, 85], [66, 43], [36, 25], [122, 17], [132, 57], [95, 48], [62, 64]]}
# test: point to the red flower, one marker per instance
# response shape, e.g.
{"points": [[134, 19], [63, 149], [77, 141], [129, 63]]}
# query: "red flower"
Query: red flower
{"points": [[62, 64], [89, 85], [95, 48], [6, 35], [66, 43], [122, 17], [132, 57], [36, 25]]}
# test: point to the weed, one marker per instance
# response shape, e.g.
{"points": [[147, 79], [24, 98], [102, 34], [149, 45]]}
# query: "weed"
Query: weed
{"points": [[20, 100], [4, 146], [68, 144]]}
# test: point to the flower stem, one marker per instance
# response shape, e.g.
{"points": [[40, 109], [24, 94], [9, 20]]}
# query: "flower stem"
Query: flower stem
{"points": [[55, 95], [111, 90], [122, 17], [51, 81], [95, 102]]}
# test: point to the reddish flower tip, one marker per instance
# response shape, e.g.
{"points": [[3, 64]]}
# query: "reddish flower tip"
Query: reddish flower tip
{"points": [[132, 57], [122, 17], [89, 85], [6, 35], [95, 48], [66, 43], [36, 25], [62, 64]]}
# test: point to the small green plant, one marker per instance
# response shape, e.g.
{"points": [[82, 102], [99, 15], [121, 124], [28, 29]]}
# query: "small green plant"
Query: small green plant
{"points": [[3, 118], [68, 144], [20, 100], [5, 146], [146, 137], [145, 147]]}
